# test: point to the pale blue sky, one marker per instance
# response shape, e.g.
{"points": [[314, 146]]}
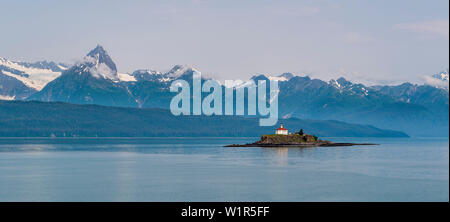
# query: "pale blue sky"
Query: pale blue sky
{"points": [[367, 41]]}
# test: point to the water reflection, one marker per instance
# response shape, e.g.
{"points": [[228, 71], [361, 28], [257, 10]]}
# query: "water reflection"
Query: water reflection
{"points": [[280, 155]]}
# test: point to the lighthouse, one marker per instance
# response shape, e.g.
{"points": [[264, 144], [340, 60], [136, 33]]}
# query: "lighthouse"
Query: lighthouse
{"points": [[281, 130]]}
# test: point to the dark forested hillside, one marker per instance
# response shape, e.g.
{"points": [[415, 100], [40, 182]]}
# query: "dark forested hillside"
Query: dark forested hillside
{"points": [[46, 119]]}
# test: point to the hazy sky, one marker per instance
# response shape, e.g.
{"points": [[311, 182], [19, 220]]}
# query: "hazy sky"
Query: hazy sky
{"points": [[366, 41]]}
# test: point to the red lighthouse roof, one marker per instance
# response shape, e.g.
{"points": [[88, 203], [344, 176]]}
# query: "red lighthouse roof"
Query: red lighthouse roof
{"points": [[281, 127]]}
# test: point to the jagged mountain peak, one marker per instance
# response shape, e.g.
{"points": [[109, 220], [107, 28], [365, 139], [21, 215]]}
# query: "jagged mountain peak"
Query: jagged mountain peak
{"points": [[287, 75], [442, 75], [94, 80], [259, 77], [281, 78], [177, 72], [98, 50], [100, 64], [180, 70], [439, 80], [341, 82]]}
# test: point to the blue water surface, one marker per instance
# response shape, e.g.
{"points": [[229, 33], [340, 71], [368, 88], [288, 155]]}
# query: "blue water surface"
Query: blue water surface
{"points": [[201, 169]]}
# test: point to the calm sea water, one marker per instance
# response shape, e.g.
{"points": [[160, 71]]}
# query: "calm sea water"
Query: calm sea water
{"points": [[201, 169]]}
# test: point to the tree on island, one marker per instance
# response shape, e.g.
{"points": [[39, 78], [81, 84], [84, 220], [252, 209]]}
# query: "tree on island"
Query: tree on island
{"points": [[301, 132]]}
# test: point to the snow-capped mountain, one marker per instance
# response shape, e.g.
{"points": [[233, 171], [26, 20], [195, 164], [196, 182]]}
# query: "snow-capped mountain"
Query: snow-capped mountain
{"points": [[428, 96], [100, 64], [147, 75], [178, 71], [442, 75], [33, 75], [94, 80], [439, 80], [151, 88], [20, 79], [13, 89], [281, 78], [49, 65], [343, 85]]}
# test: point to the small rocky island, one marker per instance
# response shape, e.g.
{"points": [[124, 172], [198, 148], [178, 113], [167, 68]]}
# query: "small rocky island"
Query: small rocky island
{"points": [[282, 138]]}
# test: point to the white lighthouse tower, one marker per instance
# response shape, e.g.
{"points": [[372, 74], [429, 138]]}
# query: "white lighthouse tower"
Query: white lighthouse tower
{"points": [[281, 130]]}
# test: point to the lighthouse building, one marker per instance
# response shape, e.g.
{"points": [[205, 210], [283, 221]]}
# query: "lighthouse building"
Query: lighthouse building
{"points": [[281, 130]]}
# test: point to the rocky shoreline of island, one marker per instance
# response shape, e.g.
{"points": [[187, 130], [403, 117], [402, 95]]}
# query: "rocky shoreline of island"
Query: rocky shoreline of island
{"points": [[282, 138], [301, 145]]}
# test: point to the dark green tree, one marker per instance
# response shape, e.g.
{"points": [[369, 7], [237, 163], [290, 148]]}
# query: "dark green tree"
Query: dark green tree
{"points": [[300, 132]]}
